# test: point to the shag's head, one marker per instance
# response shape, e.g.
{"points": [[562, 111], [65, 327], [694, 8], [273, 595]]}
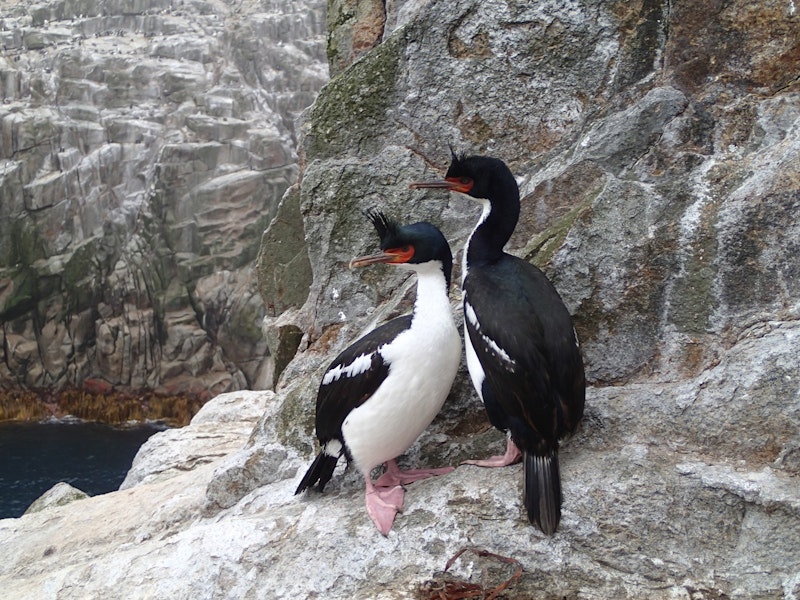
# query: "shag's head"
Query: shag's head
{"points": [[482, 177], [415, 244]]}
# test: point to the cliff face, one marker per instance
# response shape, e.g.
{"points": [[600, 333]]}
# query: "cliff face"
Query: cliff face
{"points": [[144, 149], [657, 145]]}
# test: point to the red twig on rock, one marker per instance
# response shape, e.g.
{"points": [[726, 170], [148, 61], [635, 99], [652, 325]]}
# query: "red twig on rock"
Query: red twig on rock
{"points": [[449, 589]]}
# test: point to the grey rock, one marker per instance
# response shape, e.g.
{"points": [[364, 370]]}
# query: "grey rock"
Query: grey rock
{"points": [[355, 27], [145, 148], [642, 518], [655, 198], [214, 432], [659, 193], [284, 277], [621, 139], [60, 494]]}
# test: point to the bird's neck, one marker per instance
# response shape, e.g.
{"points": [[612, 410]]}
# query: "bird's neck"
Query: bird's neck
{"points": [[432, 304], [494, 229]]}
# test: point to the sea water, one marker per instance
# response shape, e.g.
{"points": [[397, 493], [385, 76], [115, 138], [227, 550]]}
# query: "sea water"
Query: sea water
{"points": [[89, 456]]}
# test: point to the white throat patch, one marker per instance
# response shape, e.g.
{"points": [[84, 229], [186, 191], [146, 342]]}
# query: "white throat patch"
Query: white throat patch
{"points": [[487, 208]]}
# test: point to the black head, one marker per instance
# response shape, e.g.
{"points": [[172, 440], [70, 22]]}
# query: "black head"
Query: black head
{"points": [[482, 177], [488, 180], [413, 244]]}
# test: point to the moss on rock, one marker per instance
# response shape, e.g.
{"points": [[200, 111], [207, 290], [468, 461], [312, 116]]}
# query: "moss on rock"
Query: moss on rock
{"points": [[351, 110], [284, 271]]}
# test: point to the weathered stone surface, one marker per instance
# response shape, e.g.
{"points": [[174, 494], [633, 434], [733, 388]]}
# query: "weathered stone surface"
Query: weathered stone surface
{"points": [[60, 494], [216, 430], [658, 194], [284, 272], [355, 27], [641, 519], [145, 148], [657, 153]]}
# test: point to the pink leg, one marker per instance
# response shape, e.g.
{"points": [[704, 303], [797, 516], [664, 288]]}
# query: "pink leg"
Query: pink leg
{"points": [[394, 476], [512, 455], [383, 503]]}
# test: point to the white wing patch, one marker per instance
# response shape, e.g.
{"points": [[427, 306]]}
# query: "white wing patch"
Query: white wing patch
{"points": [[333, 448], [358, 366], [472, 317], [474, 367], [500, 353]]}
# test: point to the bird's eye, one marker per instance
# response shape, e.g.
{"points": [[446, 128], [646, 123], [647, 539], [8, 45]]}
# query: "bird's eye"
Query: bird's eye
{"points": [[465, 180], [405, 249]]}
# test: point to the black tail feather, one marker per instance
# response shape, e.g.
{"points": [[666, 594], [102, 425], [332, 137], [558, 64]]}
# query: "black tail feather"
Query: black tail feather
{"points": [[542, 491], [320, 471]]}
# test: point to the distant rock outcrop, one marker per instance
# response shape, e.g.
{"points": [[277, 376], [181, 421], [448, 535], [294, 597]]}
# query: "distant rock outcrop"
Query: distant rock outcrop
{"points": [[145, 147], [60, 494]]}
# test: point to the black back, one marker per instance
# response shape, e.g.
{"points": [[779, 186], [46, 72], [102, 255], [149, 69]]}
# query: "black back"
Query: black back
{"points": [[540, 396]]}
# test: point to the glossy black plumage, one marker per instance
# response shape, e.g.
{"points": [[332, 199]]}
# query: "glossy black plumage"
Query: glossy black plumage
{"points": [[539, 397], [538, 392], [528, 365]]}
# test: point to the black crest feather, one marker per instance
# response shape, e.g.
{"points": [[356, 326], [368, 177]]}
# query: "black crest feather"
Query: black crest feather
{"points": [[456, 162], [453, 154], [387, 228]]}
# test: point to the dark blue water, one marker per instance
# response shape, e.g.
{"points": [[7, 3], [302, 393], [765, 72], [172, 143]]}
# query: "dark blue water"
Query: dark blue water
{"points": [[89, 456]]}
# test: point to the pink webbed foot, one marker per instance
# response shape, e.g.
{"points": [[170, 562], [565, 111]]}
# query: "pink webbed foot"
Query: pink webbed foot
{"points": [[383, 503], [394, 476], [512, 455]]}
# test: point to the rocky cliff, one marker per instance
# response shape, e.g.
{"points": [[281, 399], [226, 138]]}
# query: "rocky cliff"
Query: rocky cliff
{"points": [[144, 148], [657, 146]]}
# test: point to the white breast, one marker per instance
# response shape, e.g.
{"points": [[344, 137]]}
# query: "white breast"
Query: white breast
{"points": [[423, 361]]}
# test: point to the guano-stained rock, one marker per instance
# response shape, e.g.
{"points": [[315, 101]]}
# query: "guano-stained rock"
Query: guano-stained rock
{"points": [[145, 148], [656, 146]]}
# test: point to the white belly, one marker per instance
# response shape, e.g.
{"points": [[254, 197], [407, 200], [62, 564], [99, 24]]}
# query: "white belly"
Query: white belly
{"points": [[422, 368]]}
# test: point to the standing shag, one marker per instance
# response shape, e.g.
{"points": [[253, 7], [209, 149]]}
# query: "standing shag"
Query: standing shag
{"points": [[381, 393], [522, 351]]}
